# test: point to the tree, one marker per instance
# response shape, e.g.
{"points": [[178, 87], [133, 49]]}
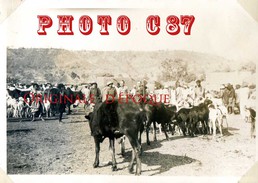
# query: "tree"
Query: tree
{"points": [[176, 69], [249, 66], [173, 69]]}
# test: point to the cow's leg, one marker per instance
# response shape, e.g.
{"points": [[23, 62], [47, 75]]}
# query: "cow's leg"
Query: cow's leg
{"points": [[214, 127], [207, 126], [154, 131], [165, 131], [48, 113], [203, 126], [220, 126], [97, 149], [210, 127], [52, 109], [182, 126], [135, 155], [190, 127], [140, 141], [147, 131], [226, 121], [130, 168], [171, 129], [122, 145], [138, 160], [112, 149], [69, 109], [33, 117], [194, 127], [252, 128]]}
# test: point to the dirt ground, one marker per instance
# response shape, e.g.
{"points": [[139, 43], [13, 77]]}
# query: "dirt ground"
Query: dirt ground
{"points": [[67, 148]]}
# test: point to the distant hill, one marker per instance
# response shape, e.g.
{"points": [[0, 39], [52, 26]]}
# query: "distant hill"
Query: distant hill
{"points": [[59, 65]]}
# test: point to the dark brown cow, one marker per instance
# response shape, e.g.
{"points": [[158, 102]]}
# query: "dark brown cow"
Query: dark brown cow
{"points": [[114, 120], [161, 114]]}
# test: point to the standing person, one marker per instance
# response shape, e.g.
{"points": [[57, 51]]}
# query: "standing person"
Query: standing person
{"points": [[109, 93], [95, 93], [237, 99], [139, 88], [165, 95], [173, 96], [199, 92], [139, 92], [86, 94], [178, 94], [231, 98], [133, 91], [243, 99], [122, 91], [62, 102], [36, 108], [225, 96]]}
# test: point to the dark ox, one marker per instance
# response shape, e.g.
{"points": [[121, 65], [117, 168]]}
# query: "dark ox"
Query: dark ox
{"points": [[182, 120], [162, 115], [198, 114], [71, 97], [16, 93], [107, 119], [53, 96]]}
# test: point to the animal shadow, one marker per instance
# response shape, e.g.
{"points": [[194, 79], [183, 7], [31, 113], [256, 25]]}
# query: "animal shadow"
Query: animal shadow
{"points": [[12, 132], [161, 162]]}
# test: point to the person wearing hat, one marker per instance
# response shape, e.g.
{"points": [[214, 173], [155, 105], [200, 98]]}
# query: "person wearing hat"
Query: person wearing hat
{"points": [[179, 97], [95, 93], [228, 97], [47, 86], [109, 92], [139, 88], [237, 100], [86, 92], [199, 92], [232, 97]]}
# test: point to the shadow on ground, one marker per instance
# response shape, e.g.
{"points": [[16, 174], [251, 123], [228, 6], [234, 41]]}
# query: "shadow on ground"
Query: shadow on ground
{"points": [[160, 162], [12, 132]]}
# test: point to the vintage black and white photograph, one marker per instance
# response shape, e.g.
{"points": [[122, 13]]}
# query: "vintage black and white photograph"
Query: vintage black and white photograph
{"points": [[88, 112], [140, 90]]}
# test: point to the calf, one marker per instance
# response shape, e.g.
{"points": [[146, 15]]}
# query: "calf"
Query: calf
{"points": [[113, 121], [198, 114], [182, 119], [215, 117], [21, 107], [162, 115]]}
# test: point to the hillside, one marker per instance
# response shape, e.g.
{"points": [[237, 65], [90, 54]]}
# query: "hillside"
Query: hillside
{"points": [[59, 65]]}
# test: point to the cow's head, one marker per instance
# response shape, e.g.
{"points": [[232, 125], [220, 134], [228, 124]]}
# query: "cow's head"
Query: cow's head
{"points": [[207, 102], [89, 116]]}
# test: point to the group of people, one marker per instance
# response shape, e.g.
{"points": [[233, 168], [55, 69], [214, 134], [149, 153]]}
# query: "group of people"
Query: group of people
{"points": [[237, 99], [180, 95], [111, 91]]}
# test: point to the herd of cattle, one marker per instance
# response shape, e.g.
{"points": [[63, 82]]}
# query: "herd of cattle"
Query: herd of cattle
{"points": [[114, 120], [19, 102]]}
